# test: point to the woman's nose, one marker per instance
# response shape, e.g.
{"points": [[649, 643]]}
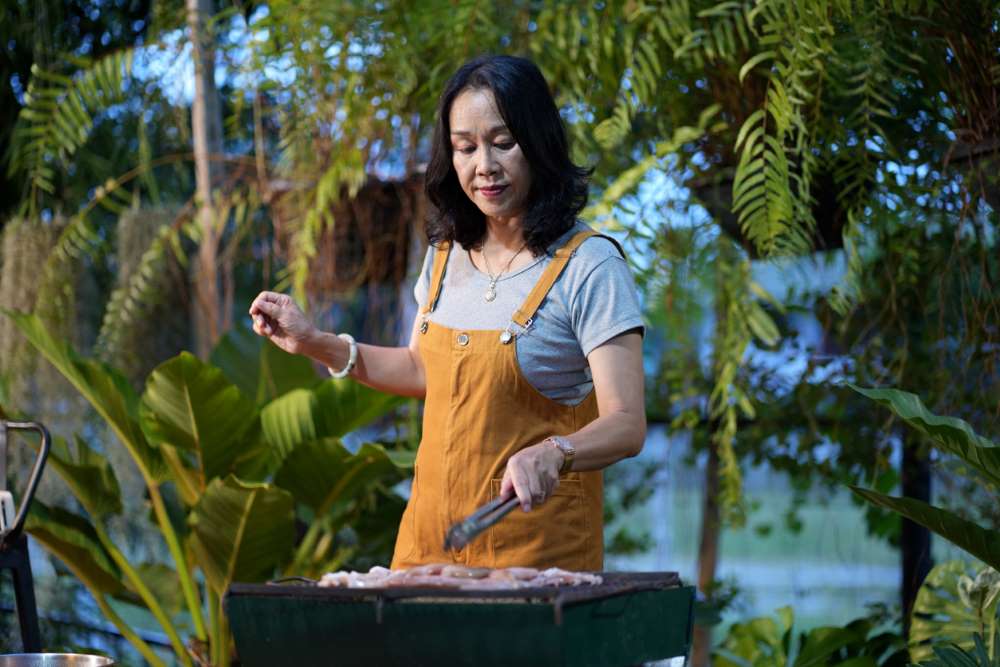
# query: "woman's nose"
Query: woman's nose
{"points": [[486, 163]]}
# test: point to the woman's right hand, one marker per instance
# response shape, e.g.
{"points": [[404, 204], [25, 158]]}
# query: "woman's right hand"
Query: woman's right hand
{"points": [[278, 318]]}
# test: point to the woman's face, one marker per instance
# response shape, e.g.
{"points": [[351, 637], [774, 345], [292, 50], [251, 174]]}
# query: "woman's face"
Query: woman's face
{"points": [[491, 168]]}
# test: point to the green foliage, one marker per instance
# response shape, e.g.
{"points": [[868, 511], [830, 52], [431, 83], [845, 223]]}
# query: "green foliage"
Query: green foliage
{"points": [[191, 407], [241, 532], [145, 311], [58, 117], [954, 656], [259, 368], [770, 642], [955, 604], [740, 319], [195, 431], [952, 606], [957, 438]]}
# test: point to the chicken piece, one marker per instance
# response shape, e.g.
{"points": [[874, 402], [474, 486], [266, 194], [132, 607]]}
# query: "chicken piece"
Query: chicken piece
{"points": [[434, 569], [464, 572], [555, 576]]}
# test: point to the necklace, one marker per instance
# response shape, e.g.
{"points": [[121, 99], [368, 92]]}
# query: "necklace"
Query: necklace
{"points": [[491, 291]]}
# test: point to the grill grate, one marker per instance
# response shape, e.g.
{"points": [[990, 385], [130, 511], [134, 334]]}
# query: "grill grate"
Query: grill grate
{"points": [[615, 584]]}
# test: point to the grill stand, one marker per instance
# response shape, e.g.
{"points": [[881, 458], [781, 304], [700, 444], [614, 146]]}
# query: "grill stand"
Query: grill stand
{"points": [[14, 557]]}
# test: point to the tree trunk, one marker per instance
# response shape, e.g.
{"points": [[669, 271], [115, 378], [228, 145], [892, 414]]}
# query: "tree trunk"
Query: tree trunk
{"points": [[206, 125], [915, 540], [708, 552]]}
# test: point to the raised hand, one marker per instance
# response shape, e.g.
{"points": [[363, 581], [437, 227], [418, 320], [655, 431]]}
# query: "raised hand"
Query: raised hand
{"points": [[277, 317]]}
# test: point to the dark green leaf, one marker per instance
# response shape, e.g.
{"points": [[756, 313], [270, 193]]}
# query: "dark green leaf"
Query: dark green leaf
{"points": [[290, 420], [190, 405], [89, 476], [241, 532], [73, 540], [346, 405], [259, 368], [106, 389], [949, 433], [323, 473], [982, 543]]}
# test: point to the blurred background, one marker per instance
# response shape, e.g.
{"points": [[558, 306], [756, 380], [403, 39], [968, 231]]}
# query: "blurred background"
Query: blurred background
{"points": [[807, 193]]}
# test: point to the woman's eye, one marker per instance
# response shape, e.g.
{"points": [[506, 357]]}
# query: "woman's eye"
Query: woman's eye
{"points": [[468, 150], [506, 145]]}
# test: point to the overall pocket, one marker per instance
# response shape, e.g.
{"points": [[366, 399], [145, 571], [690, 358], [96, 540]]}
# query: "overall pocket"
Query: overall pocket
{"points": [[553, 534]]}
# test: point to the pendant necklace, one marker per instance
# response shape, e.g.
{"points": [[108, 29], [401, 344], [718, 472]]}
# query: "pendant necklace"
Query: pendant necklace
{"points": [[491, 291]]}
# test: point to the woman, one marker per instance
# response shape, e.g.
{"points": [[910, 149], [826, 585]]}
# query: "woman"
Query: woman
{"points": [[527, 346]]}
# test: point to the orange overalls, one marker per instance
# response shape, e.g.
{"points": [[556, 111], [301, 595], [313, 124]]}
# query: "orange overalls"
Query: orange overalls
{"points": [[480, 410]]}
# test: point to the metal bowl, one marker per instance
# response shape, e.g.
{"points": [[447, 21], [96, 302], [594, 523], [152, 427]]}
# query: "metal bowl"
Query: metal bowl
{"points": [[54, 660]]}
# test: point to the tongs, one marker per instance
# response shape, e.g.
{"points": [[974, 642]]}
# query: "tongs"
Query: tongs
{"points": [[468, 528]]}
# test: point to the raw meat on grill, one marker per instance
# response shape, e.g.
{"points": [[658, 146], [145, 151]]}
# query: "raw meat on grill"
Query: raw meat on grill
{"points": [[459, 576]]}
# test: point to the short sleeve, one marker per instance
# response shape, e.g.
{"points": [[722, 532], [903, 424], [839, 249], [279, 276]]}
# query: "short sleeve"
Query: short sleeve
{"points": [[605, 304], [422, 285]]}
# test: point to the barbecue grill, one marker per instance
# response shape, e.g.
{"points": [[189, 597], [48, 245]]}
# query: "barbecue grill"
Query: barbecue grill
{"points": [[630, 618]]}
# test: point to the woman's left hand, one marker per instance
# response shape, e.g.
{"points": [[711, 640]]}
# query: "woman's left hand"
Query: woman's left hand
{"points": [[532, 474]]}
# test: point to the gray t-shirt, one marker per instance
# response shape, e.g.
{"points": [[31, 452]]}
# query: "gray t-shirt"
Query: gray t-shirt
{"points": [[593, 301]]}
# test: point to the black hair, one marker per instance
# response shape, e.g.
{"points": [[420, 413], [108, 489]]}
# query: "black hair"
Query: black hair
{"points": [[558, 187]]}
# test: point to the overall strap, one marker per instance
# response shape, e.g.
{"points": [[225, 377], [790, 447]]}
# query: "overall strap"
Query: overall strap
{"points": [[437, 277], [552, 272]]}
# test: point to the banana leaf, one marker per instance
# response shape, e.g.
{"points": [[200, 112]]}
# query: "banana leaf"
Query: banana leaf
{"points": [[346, 405], [72, 539], [982, 543], [192, 406], [259, 368], [89, 476], [323, 473], [331, 410], [950, 434], [291, 420], [241, 532], [105, 389], [165, 584], [941, 616]]}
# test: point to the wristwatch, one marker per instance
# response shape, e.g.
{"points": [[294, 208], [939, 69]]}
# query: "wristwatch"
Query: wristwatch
{"points": [[568, 450]]}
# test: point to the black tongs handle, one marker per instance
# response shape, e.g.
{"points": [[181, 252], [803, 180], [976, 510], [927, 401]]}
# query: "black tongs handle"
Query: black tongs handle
{"points": [[465, 530]]}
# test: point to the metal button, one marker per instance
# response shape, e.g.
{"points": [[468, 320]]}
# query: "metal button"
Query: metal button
{"points": [[463, 339]]}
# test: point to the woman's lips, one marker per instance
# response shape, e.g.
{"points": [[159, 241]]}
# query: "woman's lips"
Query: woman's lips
{"points": [[493, 191]]}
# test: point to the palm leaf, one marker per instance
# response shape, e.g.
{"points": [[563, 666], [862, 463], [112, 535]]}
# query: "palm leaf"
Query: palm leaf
{"points": [[982, 543]]}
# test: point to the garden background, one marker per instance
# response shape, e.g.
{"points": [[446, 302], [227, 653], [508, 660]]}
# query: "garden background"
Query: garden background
{"points": [[806, 190]]}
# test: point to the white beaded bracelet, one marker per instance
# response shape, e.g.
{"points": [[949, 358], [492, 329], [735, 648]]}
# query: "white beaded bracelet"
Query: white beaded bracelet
{"points": [[351, 359]]}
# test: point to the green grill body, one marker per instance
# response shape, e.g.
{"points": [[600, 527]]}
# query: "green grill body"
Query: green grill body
{"points": [[630, 619]]}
